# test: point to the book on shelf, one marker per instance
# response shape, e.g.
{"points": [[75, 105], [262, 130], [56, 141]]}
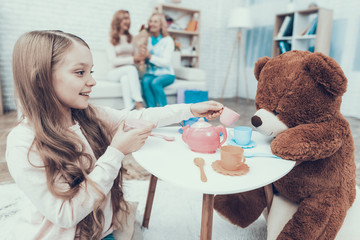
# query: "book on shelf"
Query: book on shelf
{"points": [[286, 27], [284, 46], [289, 27], [311, 28]]}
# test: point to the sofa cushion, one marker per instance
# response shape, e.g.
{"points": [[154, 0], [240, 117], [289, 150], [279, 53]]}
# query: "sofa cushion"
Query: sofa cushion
{"points": [[190, 74], [106, 89], [109, 93], [183, 84], [101, 65]]}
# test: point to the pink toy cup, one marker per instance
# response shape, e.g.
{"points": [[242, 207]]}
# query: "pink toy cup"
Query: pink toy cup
{"points": [[229, 116]]}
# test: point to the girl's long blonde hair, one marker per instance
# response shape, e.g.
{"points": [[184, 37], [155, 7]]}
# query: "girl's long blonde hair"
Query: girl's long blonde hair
{"points": [[116, 29], [35, 55]]}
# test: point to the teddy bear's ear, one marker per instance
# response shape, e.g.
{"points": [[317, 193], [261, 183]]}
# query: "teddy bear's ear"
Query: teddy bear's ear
{"points": [[260, 63], [327, 72]]}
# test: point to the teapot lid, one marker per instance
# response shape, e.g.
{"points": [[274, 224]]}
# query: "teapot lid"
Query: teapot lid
{"points": [[201, 124]]}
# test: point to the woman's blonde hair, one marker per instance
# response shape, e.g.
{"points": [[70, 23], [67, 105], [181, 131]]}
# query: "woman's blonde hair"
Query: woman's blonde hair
{"points": [[163, 24], [116, 28], [35, 55]]}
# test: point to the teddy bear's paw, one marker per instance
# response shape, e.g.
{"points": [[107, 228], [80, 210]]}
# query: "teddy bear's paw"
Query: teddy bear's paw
{"points": [[291, 149]]}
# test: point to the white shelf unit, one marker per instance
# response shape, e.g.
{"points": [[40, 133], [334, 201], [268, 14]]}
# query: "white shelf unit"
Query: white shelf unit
{"points": [[320, 41], [188, 39]]}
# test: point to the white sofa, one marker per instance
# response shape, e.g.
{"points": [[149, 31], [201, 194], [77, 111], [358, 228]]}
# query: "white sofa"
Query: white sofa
{"points": [[109, 93]]}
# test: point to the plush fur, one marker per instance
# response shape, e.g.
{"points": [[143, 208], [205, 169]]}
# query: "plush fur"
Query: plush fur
{"points": [[141, 40], [302, 90]]}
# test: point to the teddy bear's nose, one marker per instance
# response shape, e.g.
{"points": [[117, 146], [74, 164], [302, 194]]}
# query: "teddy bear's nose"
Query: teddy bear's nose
{"points": [[256, 121]]}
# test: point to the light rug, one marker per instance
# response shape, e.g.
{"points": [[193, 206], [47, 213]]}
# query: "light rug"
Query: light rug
{"points": [[176, 213]]}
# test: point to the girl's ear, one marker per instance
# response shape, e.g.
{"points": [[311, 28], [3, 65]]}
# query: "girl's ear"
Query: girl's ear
{"points": [[259, 66], [326, 71]]}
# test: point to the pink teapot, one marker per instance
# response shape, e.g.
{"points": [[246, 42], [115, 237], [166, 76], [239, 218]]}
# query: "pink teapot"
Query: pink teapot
{"points": [[202, 137]]}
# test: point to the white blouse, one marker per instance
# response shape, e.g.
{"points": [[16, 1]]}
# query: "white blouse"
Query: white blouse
{"points": [[47, 217]]}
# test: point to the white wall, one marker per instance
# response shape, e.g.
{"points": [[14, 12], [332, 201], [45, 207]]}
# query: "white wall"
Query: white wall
{"points": [[90, 19], [345, 41]]}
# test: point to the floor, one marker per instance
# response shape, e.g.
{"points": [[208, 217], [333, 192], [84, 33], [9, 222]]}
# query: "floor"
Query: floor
{"points": [[7, 121], [246, 110]]}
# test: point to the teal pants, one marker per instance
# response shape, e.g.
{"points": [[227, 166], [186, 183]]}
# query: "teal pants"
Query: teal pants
{"points": [[153, 89], [109, 237]]}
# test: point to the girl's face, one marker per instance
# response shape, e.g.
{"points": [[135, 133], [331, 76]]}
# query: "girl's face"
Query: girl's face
{"points": [[125, 23], [154, 25], [72, 78]]}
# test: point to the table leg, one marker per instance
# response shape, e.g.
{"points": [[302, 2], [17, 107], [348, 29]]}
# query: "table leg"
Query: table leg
{"points": [[149, 200], [207, 217], [269, 194]]}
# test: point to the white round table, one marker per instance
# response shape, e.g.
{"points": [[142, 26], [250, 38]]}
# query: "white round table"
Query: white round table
{"points": [[173, 162]]}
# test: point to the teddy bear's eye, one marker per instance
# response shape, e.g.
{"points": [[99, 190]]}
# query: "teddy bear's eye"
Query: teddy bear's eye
{"points": [[275, 112]]}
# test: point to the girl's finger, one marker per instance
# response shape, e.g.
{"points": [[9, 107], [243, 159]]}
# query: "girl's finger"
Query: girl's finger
{"points": [[122, 125], [146, 130]]}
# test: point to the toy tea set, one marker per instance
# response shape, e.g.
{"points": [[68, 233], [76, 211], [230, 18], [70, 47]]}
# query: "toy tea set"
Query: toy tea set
{"points": [[202, 137]]}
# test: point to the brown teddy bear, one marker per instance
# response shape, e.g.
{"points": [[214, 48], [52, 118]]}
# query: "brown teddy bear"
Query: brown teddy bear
{"points": [[298, 101], [141, 40]]}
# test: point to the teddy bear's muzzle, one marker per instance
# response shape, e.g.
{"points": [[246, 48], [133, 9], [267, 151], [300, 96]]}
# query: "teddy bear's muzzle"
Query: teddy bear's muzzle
{"points": [[267, 123]]}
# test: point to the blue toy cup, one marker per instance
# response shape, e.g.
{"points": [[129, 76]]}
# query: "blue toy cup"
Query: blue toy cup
{"points": [[242, 135]]}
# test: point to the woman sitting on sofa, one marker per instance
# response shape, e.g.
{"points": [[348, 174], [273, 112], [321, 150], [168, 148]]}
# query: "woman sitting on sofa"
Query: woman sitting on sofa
{"points": [[122, 56], [159, 72]]}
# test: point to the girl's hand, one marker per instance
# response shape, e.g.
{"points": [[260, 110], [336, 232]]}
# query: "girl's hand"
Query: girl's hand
{"points": [[210, 109], [132, 140]]}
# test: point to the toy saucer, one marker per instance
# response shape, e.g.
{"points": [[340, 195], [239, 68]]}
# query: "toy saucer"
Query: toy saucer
{"points": [[233, 143], [243, 169]]}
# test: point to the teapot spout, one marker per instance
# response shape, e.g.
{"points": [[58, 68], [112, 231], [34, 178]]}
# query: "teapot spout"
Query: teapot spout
{"points": [[185, 132]]}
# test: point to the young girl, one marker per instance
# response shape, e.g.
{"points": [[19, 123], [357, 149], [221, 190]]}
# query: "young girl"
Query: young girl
{"points": [[65, 154]]}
